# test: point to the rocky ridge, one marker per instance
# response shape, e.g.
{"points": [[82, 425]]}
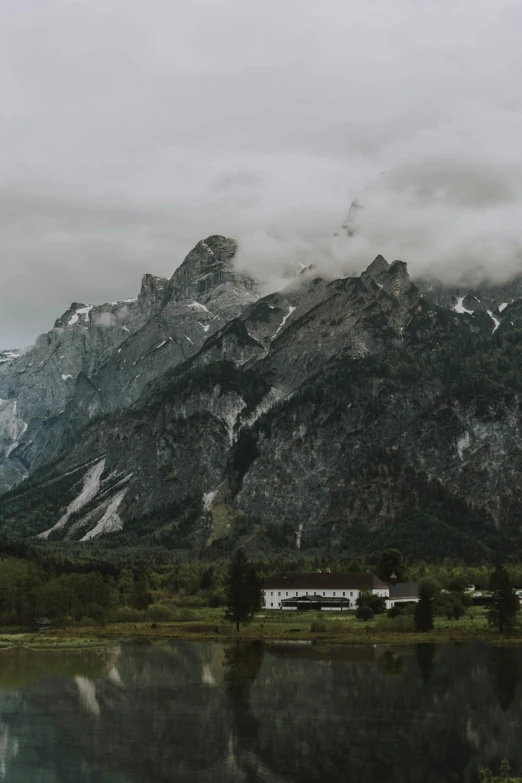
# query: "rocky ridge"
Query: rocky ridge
{"points": [[357, 411], [97, 359]]}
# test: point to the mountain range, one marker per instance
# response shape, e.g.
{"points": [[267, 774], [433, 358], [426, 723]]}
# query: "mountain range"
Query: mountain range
{"points": [[355, 413]]}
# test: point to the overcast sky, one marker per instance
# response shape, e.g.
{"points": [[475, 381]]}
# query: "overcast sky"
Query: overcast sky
{"points": [[129, 130]]}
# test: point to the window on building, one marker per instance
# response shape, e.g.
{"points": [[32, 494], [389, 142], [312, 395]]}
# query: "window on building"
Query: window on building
{"points": [[272, 603], [351, 595], [287, 592], [271, 593], [334, 592], [324, 593], [279, 594], [307, 592], [344, 593], [296, 592]]}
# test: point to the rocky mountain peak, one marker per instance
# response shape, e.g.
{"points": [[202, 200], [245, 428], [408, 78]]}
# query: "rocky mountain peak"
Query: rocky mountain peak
{"points": [[394, 279], [151, 284], [230, 405], [378, 265], [153, 292], [78, 313], [208, 265]]}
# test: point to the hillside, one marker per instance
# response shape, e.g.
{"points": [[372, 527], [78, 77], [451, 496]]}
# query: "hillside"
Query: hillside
{"points": [[355, 413]]}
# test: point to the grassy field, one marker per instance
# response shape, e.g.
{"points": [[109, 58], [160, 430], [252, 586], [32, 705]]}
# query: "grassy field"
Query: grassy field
{"points": [[208, 624]]}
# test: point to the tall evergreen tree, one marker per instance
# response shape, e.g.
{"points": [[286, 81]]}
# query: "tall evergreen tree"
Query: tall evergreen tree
{"points": [[424, 610], [255, 591], [243, 590], [392, 562], [502, 613]]}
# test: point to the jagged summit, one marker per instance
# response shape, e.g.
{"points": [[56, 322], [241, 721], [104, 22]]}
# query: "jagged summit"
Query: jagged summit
{"points": [[394, 278], [77, 312], [276, 408], [208, 265], [378, 265]]}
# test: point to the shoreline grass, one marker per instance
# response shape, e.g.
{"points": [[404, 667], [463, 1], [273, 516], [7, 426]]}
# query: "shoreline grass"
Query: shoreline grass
{"points": [[208, 625]]}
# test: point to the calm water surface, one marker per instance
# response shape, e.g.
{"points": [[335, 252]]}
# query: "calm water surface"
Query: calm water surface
{"points": [[179, 711]]}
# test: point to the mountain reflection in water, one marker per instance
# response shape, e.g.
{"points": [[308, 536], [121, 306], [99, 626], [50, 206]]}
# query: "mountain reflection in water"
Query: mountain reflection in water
{"points": [[180, 711]]}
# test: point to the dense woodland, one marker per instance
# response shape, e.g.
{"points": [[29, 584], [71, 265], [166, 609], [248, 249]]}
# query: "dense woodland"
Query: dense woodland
{"points": [[83, 585]]}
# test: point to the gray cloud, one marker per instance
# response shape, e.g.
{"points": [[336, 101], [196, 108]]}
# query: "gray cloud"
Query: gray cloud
{"points": [[131, 130]]}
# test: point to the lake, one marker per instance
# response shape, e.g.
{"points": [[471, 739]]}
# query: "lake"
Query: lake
{"points": [[274, 712]]}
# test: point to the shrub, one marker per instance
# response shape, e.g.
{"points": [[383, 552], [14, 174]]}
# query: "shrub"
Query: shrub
{"points": [[430, 587], [186, 615], [217, 598], [64, 622], [450, 605], [159, 613], [364, 613], [9, 618], [319, 626], [195, 601], [399, 610], [127, 615], [96, 613], [403, 623], [375, 602]]}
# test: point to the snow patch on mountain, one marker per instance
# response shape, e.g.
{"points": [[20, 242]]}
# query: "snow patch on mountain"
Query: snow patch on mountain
{"points": [[463, 443], [459, 307], [110, 522], [287, 316], [208, 498], [91, 487], [495, 321], [199, 306], [80, 312]]}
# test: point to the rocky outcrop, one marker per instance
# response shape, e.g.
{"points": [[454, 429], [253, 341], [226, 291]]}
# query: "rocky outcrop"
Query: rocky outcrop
{"points": [[355, 411], [99, 359]]}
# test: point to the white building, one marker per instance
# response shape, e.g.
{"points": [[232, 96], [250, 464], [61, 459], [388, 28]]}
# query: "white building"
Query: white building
{"points": [[320, 590], [403, 593]]}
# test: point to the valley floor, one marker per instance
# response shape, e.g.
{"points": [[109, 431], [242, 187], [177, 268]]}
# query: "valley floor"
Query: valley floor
{"points": [[208, 624]]}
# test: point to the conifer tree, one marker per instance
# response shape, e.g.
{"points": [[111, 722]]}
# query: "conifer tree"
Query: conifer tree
{"points": [[243, 590], [424, 610], [392, 562], [504, 607]]}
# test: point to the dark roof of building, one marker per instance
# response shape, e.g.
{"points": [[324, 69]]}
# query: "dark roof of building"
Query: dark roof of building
{"points": [[404, 590], [324, 580]]}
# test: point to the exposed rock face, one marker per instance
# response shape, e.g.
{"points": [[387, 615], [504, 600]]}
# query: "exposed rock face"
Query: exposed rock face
{"points": [[99, 359], [488, 298], [354, 411]]}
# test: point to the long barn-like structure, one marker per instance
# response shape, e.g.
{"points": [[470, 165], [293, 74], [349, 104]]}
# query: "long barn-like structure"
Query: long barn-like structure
{"points": [[321, 590]]}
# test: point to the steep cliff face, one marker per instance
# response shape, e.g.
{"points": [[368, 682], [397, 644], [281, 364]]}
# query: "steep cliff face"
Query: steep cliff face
{"points": [[99, 359], [355, 412]]}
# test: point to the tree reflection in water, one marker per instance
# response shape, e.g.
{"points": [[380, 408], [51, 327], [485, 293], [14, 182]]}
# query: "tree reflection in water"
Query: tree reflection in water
{"points": [[215, 713], [425, 657], [505, 672]]}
